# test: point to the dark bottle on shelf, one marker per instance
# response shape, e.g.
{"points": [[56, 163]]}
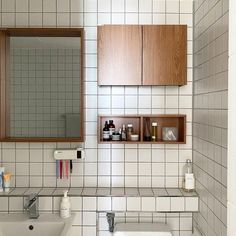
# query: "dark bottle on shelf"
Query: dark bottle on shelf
{"points": [[147, 133], [111, 127], [106, 132]]}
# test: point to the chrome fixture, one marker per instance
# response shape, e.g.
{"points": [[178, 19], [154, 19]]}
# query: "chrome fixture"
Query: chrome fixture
{"points": [[32, 206], [111, 220]]}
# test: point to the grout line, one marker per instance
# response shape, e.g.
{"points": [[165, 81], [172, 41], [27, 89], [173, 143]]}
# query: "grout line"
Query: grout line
{"points": [[139, 179]]}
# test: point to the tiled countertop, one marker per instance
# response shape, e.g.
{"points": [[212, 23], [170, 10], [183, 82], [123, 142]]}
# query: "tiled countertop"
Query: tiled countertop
{"points": [[102, 192], [112, 199]]}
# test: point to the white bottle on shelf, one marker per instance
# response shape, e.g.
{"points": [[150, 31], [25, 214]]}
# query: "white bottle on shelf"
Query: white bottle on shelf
{"points": [[65, 207], [189, 180]]}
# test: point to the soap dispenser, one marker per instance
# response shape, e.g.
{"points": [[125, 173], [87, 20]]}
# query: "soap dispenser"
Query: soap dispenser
{"points": [[189, 180], [65, 208]]}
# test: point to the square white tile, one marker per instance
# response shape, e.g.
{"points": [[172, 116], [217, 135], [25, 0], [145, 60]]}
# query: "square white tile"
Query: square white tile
{"points": [[163, 204], [148, 204], [133, 204], [118, 203], [104, 203]]}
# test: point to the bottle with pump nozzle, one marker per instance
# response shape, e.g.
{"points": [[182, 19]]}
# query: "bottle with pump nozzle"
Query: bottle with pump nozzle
{"points": [[65, 208]]}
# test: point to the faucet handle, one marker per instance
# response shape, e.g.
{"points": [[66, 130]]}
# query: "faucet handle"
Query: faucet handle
{"points": [[31, 206], [32, 198]]}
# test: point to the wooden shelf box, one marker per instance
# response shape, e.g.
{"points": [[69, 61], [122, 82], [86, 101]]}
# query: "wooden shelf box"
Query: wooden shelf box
{"points": [[170, 120], [119, 121], [175, 121]]}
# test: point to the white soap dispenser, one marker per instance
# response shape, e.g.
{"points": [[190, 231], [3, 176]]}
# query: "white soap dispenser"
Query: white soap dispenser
{"points": [[189, 180], [65, 208]]}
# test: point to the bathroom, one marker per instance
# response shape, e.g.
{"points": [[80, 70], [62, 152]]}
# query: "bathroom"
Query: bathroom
{"points": [[138, 182]]}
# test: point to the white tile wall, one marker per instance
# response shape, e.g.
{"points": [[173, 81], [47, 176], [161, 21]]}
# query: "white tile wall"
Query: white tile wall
{"points": [[181, 224], [124, 171], [231, 204], [90, 218], [210, 113]]}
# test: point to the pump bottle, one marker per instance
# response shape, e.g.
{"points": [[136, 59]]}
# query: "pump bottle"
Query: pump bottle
{"points": [[65, 208]]}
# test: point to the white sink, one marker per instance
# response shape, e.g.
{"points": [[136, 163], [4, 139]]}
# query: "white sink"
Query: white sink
{"points": [[45, 225]]}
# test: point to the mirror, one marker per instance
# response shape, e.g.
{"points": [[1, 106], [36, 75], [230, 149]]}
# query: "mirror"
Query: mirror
{"points": [[44, 85]]}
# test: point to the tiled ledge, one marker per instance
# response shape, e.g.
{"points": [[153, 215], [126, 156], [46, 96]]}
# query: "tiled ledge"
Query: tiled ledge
{"points": [[113, 199], [103, 192]]}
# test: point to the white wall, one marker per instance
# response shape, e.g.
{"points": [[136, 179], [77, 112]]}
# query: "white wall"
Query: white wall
{"points": [[210, 114], [105, 165], [232, 123]]}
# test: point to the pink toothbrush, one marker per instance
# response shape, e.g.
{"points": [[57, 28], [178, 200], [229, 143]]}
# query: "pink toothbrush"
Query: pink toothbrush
{"points": [[67, 169]]}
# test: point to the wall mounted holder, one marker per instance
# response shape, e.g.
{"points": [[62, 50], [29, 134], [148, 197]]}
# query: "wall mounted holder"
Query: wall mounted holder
{"points": [[64, 161], [69, 154]]}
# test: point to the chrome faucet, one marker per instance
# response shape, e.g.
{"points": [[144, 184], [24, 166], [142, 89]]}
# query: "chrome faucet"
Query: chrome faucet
{"points": [[32, 206]]}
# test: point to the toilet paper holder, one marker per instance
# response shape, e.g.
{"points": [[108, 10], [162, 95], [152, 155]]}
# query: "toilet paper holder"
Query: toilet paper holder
{"points": [[111, 220]]}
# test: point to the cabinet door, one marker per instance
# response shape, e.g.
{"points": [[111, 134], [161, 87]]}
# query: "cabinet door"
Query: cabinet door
{"points": [[119, 55], [165, 55]]}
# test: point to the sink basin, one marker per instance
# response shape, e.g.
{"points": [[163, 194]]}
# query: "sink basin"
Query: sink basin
{"points": [[45, 225]]}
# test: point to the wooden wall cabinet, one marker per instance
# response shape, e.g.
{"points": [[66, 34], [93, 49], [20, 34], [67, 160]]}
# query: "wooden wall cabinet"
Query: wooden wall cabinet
{"points": [[119, 54], [142, 55], [164, 55], [177, 121]]}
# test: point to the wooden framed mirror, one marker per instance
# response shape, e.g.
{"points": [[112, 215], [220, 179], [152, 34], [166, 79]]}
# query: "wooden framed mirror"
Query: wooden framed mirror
{"points": [[41, 85]]}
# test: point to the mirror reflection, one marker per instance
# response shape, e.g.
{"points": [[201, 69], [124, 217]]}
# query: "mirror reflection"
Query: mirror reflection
{"points": [[45, 87]]}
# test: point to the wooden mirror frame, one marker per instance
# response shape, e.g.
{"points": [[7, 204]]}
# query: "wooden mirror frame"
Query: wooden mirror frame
{"points": [[5, 34]]}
